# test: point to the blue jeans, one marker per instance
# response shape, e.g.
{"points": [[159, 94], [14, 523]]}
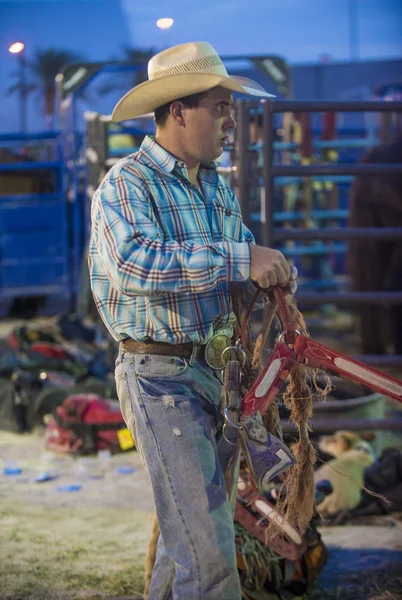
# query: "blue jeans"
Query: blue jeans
{"points": [[172, 408]]}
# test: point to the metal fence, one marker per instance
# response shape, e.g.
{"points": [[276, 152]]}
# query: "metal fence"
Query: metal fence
{"points": [[270, 171], [34, 232]]}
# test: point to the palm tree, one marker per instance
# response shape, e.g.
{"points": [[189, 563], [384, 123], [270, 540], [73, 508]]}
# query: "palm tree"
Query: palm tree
{"points": [[134, 56], [139, 57], [42, 71]]}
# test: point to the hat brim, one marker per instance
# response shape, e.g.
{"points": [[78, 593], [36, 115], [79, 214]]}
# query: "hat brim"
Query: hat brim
{"points": [[150, 95]]}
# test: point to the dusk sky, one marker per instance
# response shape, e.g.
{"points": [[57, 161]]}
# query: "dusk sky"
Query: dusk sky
{"points": [[299, 30]]}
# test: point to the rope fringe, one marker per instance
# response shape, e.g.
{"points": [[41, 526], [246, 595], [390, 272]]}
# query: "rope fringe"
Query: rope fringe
{"points": [[297, 505]]}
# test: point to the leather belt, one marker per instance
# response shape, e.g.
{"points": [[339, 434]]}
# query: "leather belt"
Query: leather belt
{"points": [[151, 347]]}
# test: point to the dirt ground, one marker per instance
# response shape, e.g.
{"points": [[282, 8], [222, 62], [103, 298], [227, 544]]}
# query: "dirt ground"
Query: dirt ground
{"points": [[59, 545], [90, 543]]}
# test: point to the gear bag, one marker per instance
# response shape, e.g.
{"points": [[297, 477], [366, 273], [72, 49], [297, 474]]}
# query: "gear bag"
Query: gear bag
{"points": [[86, 423]]}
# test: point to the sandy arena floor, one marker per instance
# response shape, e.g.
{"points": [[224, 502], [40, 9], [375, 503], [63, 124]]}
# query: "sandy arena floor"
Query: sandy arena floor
{"points": [[90, 544]]}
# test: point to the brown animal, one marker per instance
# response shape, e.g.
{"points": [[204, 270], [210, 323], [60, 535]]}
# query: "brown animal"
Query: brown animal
{"points": [[150, 556], [376, 265], [353, 454], [341, 442]]}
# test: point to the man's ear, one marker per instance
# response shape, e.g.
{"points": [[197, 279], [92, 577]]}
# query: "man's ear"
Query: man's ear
{"points": [[176, 111]]}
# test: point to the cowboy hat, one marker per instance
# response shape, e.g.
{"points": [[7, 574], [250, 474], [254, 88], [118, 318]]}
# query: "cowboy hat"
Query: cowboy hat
{"points": [[178, 72]]}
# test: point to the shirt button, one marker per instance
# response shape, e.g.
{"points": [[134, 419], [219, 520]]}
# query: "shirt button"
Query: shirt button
{"points": [[228, 212]]}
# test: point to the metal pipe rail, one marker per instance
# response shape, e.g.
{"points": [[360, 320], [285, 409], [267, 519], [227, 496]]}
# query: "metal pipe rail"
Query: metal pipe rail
{"points": [[30, 166], [331, 169], [329, 425], [338, 233], [279, 106], [348, 298], [32, 198], [25, 137]]}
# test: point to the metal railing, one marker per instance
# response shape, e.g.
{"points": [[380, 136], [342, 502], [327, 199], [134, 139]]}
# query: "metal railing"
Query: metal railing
{"points": [[270, 234]]}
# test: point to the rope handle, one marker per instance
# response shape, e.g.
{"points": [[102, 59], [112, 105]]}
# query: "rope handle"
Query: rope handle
{"points": [[248, 316], [284, 314]]}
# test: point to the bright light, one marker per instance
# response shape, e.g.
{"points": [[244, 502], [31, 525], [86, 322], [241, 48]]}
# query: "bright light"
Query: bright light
{"points": [[16, 48], [164, 23]]}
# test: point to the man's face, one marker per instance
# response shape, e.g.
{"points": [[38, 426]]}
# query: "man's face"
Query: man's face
{"points": [[208, 125]]}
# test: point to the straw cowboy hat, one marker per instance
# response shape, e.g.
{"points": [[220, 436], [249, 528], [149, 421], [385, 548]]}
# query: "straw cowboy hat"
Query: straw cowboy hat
{"points": [[178, 72]]}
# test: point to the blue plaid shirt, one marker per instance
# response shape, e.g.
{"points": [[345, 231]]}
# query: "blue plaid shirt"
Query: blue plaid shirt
{"points": [[163, 256]]}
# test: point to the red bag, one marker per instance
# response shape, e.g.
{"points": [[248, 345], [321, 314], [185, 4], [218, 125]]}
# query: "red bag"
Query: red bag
{"points": [[86, 423]]}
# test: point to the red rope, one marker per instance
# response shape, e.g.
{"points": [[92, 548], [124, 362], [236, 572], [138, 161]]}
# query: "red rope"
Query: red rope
{"points": [[248, 315], [284, 314]]}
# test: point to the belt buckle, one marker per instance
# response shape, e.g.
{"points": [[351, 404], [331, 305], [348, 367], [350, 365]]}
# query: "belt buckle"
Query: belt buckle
{"points": [[214, 349]]}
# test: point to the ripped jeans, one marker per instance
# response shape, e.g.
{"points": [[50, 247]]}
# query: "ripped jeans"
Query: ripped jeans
{"points": [[172, 409]]}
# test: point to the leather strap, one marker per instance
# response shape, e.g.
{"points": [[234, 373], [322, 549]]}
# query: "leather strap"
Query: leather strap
{"points": [[151, 347]]}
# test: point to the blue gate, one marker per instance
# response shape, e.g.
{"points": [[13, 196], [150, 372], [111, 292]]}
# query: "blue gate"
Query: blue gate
{"points": [[34, 231]]}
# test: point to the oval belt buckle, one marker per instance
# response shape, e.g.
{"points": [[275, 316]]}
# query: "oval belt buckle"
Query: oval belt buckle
{"points": [[214, 349]]}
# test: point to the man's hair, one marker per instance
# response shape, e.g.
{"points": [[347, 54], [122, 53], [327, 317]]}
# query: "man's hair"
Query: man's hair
{"points": [[162, 113]]}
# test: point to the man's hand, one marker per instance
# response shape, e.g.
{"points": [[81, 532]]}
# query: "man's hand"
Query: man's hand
{"points": [[268, 267]]}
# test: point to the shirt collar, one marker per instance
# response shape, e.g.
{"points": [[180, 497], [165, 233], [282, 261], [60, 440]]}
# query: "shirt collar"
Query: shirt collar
{"points": [[157, 157]]}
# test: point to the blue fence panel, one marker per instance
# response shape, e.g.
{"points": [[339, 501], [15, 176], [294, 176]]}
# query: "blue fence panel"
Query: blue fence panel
{"points": [[34, 229]]}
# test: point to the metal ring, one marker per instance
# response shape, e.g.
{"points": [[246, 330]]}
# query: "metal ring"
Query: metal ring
{"points": [[283, 333], [231, 424], [226, 439], [236, 349]]}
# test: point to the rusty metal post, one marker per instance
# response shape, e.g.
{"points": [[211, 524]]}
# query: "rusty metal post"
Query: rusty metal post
{"points": [[242, 163], [267, 204]]}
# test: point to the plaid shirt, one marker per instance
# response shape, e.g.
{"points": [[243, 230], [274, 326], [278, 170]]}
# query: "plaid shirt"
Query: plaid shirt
{"points": [[163, 256]]}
